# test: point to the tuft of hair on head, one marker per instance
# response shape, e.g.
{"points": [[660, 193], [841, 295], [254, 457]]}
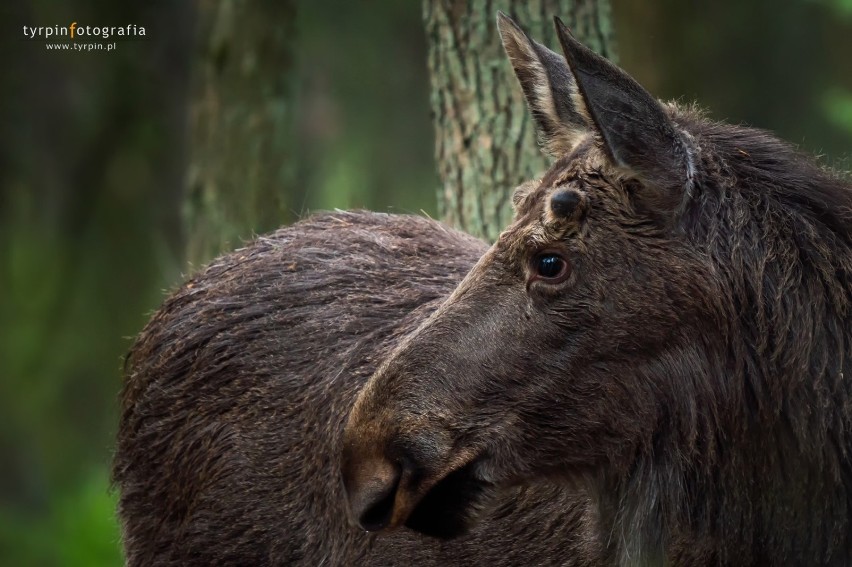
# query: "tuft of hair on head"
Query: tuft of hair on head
{"points": [[564, 202]]}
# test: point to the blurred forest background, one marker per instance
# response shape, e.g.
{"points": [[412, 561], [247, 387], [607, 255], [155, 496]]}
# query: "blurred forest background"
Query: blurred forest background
{"points": [[97, 199]]}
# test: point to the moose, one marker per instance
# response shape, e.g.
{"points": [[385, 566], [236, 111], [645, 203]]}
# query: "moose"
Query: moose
{"points": [[646, 368]]}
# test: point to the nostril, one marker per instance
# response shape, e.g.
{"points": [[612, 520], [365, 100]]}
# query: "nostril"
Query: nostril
{"points": [[380, 507], [371, 486]]}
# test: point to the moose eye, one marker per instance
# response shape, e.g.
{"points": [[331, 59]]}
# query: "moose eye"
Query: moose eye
{"points": [[550, 267]]}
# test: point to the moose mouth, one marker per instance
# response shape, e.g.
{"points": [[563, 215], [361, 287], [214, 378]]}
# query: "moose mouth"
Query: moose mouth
{"points": [[452, 506]]}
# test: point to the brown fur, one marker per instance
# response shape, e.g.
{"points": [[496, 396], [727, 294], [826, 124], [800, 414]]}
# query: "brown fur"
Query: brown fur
{"points": [[237, 390]]}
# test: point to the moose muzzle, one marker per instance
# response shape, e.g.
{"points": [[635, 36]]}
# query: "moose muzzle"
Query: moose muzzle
{"points": [[402, 472], [384, 475], [371, 488]]}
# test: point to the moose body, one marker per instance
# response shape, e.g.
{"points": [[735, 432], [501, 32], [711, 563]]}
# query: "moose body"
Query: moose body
{"points": [[648, 367], [237, 392]]}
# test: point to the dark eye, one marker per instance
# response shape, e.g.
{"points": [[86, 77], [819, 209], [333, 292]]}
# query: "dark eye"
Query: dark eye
{"points": [[550, 267]]}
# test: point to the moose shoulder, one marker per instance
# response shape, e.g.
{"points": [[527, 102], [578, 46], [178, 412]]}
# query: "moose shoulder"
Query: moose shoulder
{"points": [[665, 324]]}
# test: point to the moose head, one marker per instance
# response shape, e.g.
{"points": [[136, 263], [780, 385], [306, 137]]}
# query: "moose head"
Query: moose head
{"points": [[611, 336]]}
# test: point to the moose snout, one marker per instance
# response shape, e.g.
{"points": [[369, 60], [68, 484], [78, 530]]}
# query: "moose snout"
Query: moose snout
{"points": [[371, 486], [385, 476], [387, 466]]}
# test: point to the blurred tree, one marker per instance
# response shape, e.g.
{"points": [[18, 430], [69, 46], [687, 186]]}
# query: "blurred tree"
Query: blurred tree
{"points": [[485, 143], [241, 124], [91, 164]]}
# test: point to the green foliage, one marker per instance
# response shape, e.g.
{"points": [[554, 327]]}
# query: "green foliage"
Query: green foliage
{"points": [[79, 529], [843, 7], [366, 138], [838, 106], [63, 337]]}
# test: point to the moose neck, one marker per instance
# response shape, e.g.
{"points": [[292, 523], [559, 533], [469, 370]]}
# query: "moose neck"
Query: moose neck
{"points": [[653, 495], [763, 498]]}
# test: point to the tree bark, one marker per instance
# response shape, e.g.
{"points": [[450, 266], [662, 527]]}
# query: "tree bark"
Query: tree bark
{"points": [[485, 141], [241, 124]]}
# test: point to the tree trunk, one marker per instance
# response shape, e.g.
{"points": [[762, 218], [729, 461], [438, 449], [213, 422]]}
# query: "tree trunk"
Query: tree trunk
{"points": [[241, 125], [485, 141]]}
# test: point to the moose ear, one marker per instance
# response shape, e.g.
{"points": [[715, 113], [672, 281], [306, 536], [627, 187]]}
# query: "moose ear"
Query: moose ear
{"points": [[548, 87], [637, 133]]}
